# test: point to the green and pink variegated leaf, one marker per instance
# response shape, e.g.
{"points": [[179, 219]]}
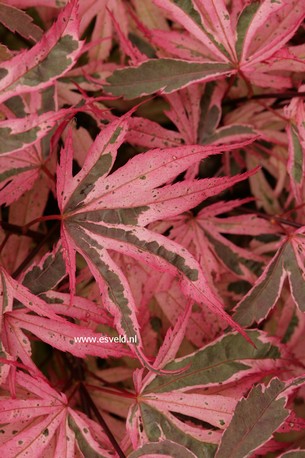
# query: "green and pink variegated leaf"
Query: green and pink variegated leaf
{"points": [[216, 410], [18, 21], [207, 26], [93, 223], [49, 59], [203, 234], [242, 52], [17, 134], [162, 424], [72, 192], [227, 359], [138, 185], [47, 273], [17, 175], [63, 335], [165, 75], [81, 309], [287, 262], [255, 419], [163, 396], [268, 29], [12, 289], [52, 425], [296, 141], [85, 440], [185, 111], [54, 329], [47, 407], [163, 449], [150, 134], [148, 424]]}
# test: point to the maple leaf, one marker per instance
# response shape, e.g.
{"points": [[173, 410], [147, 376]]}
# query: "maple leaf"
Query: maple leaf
{"points": [[46, 274], [49, 59], [287, 262], [52, 426], [141, 252], [202, 233], [104, 26], [19, 133], [220, 48], [196, 112], [266, 405], [160, 397], [48, 325], [102, 211]]}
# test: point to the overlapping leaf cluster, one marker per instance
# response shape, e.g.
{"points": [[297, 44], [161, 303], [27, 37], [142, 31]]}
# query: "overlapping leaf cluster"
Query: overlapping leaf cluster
{"points": [[152, 187]]}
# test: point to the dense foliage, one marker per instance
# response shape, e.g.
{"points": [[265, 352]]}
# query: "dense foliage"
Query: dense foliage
{"points": [[152, 237]]}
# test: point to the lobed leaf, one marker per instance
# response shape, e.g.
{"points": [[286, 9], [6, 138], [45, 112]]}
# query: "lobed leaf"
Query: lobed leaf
{"points": [[258, 302], [16, 134], [160, 424], [254, 420], [18, 21], [225, 360], [92, 223], [45, 275], [166, 75], [270, 28], [195, 17], [62, 334], [216, 410], [49, 59]]}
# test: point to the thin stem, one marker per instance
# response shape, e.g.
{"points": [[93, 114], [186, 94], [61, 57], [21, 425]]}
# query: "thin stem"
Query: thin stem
{"points": [[101, 421], [273, 217], [20, 230], [41, 219], [252, 96], [298, 207], [121, 393], [48, 173], [274, 112], [75, 389]]}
